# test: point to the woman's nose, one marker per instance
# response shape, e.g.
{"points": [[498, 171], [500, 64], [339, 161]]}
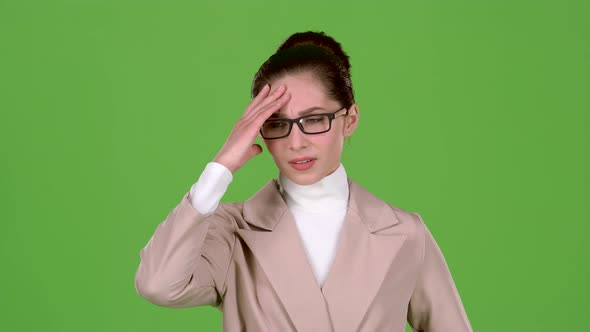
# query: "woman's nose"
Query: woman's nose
{"points": [[296, 139]]}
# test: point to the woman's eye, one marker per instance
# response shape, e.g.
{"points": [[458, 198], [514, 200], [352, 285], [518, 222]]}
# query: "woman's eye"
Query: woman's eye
{"points": [[314, 119], [275, 125]]}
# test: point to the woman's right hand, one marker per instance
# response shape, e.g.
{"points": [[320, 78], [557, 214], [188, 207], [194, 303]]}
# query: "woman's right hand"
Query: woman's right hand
{"points": [[239, 146]]}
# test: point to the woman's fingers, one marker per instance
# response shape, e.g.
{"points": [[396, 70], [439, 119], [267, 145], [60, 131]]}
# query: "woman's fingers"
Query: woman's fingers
{"points": [[259, 97], [270, 109], [270, 98], [258, 117], [239, 146]]}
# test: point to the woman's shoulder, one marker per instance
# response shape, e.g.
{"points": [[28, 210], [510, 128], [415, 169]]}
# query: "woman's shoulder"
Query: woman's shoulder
{"points": [[399, 219], [410, 219]]}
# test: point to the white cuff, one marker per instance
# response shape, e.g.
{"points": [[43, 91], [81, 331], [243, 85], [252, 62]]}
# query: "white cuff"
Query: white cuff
{"points": [[207, 192]]}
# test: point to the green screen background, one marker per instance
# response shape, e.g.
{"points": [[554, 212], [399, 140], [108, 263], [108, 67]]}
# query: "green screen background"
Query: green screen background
{"points": [[473, 113]]}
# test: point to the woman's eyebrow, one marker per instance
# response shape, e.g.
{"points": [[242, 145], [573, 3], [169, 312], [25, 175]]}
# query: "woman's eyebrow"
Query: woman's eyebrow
{"points": [[302, 113]]}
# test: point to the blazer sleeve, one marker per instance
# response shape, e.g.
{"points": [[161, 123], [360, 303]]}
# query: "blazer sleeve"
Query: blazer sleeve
{"points": [[435, 305], [186, 260]]}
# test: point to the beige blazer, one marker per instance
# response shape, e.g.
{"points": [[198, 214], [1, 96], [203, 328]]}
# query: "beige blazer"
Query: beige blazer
{"points": [[248, 260]]}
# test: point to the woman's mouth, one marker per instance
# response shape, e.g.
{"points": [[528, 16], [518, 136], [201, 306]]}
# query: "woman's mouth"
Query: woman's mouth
{"points": [[302, 164]]}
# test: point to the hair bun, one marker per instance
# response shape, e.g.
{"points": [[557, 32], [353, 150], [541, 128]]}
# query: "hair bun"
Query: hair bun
{"points": [[319, 39], [310, 52]]}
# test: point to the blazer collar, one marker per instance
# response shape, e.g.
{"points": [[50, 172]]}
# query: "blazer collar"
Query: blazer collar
{"points": [[363, 257], [265, 208]]}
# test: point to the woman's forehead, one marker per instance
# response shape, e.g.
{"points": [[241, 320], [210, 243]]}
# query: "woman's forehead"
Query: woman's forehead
{"points": [[311, 110], [304, 82], [306, 92]]}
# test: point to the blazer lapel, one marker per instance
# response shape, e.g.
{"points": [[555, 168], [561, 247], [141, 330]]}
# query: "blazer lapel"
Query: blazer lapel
{"points": [[279, 251], [362, 260]]}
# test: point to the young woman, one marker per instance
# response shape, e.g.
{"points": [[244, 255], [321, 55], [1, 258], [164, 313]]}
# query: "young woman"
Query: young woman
{"points": [[311, 250]]}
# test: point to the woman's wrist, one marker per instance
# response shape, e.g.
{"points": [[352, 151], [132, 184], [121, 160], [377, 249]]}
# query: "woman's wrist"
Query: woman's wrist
{"points": [[228, 165]]}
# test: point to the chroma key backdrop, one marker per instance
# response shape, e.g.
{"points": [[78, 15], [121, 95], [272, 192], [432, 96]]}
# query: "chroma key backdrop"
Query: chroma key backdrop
{"points": [[473, 113]]}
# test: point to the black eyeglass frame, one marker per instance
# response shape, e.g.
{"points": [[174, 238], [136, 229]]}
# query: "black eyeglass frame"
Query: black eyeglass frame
{"points": [[331, 116]]}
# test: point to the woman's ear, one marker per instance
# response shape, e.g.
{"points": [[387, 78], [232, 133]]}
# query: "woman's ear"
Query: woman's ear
{"points": [[351, 120]]}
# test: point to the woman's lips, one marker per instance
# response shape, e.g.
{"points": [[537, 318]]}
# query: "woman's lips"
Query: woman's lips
{"points": [[302, 164]]}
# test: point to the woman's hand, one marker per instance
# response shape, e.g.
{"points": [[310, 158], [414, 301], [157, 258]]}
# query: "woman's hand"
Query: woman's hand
{"points": [[239, 146]]}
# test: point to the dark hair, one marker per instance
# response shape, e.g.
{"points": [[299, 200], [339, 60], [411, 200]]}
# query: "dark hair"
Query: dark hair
{"points": [[315, 52]]}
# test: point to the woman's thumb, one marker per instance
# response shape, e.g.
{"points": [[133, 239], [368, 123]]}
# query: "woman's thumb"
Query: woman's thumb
{"points": [[255, 150]]}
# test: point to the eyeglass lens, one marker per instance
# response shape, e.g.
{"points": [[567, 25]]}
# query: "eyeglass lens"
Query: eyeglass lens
{"points": [[311, 125]]}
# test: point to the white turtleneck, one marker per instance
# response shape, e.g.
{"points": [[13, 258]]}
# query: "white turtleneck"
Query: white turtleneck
{"points": [[318, 209]]}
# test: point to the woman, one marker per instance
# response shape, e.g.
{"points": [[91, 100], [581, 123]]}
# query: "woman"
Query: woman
{"points": [[312, 250]]}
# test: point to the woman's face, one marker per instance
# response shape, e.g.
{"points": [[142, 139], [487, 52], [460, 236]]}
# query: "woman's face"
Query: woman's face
{"points": [[324, 149]]}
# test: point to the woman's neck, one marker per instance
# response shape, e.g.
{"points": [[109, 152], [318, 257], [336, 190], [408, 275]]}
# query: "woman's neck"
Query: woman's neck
{"points": [[328, 194]]}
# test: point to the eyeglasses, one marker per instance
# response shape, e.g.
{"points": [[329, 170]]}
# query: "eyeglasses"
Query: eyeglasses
{"points": [[309, 124]]}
